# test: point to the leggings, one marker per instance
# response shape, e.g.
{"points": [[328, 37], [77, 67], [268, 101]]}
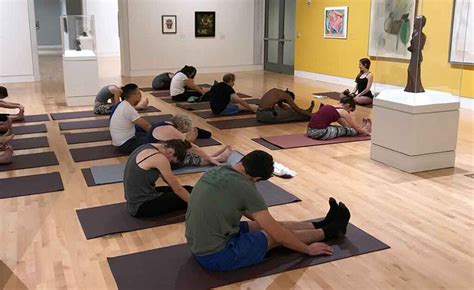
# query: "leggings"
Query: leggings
{"points": [[102, 109], [167, 202], [185, 96], [331, 132]]}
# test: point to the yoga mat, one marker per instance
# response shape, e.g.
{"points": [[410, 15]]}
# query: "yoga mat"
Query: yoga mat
{"points": [[301, 140], [31, 161], [29, 143], [210, 114], [266, 144], [95, 153], [174, 267], [32, 129], [241, 123], [31, 184], [206, 105], [150, 89], [163, 94], [34, 118], [114, 218], [87, 137], [113, 173], [337, 96], [100, 123], [90, 114]]}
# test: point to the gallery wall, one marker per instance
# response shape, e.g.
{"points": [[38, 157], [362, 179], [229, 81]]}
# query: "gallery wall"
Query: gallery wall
{"points": [[147, 51], [18, 61], [47, 14], [106, 25], [339, 57]]}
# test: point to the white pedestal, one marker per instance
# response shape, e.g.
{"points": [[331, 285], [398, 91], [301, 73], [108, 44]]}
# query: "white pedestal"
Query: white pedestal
{"points": [[81, 80], [415, 132]]}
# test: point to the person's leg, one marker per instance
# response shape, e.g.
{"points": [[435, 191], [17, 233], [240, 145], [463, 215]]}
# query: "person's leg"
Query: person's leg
{"points": [[338, 131], [363, 100], [142, 105], [131, 144], [230, 109], [167, 202], [316, 133], [102, 109], [6, 138], [242, 104]]}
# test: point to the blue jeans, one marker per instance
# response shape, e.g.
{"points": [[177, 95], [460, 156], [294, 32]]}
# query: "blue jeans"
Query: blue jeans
{"points": [[243, 250]]}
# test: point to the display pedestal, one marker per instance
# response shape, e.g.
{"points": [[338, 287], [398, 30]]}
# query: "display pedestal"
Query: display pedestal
{"points": [[81, 80], [415, 132]]}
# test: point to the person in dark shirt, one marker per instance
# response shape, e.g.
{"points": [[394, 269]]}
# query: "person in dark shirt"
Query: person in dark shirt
{"points": [[224, 100]]}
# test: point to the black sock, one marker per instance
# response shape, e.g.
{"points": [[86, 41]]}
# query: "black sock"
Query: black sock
{"points": [[338, 227], [333, 208]]}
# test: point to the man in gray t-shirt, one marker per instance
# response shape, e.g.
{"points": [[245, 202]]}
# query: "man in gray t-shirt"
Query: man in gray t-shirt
{"points": [[221, 242]]}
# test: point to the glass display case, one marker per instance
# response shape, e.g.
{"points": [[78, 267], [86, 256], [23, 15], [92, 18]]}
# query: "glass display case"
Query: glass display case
{"points": [[416, 82], [78, 35]]}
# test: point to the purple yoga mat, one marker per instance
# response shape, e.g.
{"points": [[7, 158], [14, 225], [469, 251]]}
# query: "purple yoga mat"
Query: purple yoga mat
{"points": [[114, 218], [241, 123], [90, 114], [337, 96], [206, 105], [301, 140], [31, 161], [87, 137], [29, 143], [31, 184], [210, 114], [101, 123], [31, 129], [33, 118], [175, 267]]}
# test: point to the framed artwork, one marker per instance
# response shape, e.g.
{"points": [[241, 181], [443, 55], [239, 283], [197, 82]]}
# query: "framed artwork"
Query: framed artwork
{"points": [[335, 22], [168, 24], [205, 24], [391, 26], [461, 49]]}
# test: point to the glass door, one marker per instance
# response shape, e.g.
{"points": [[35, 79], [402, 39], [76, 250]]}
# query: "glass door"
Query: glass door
{"points": [[279, 35]]}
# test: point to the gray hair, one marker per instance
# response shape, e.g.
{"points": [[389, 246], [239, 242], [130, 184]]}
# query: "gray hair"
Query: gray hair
{"points": [[182, 122]]}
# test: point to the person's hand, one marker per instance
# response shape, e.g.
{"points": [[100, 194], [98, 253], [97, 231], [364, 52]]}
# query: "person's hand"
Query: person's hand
{"points": [[205, 90], [316, 249]]}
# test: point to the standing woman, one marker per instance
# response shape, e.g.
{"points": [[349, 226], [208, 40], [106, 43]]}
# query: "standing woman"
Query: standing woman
{"points": [[182, 85], [364, 80], [320, 127]]}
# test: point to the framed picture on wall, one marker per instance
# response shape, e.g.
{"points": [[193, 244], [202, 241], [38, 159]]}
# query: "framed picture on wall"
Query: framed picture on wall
{"points": [[168, 24], [205, 24], [461, 49], [335, 22]]}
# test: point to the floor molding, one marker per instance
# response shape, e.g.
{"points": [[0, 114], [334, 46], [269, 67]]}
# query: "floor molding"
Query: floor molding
{"points": [[466, 103], [216, 69]]}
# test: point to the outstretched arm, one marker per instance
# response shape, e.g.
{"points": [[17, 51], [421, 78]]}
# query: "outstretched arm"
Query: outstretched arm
{"points": [[163, 165], [117, 93], [237, 100], [189, 83], [295, 107], [348, 120]]}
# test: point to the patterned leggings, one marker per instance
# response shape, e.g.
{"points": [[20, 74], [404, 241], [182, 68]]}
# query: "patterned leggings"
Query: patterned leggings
{"points": [[331, 132], [191, 159], [102, 109]]}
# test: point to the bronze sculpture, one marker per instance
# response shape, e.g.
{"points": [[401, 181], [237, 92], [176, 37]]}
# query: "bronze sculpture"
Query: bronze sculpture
{"points": [[417, 43]]}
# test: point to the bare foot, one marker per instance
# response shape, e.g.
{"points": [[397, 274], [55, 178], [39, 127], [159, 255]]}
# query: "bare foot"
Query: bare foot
{"points": [[311, 107], [142, 105], [368, 125], [6, 138], [7, 133], [224, 155]]}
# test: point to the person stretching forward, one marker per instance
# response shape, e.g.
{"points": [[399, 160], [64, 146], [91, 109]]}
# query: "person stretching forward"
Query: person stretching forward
{"points": [[221, 242]]}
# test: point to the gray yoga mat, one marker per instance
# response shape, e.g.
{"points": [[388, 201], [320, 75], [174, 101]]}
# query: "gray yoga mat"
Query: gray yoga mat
{"points": [[175, 267], [90, 114], [31, 184], [113, 173], [114, 218], [87, 137], [209, 114], [240, 123], [100, 123], [31, 161], [33, 118], [29, 143], [206, 105], [31, 129]]}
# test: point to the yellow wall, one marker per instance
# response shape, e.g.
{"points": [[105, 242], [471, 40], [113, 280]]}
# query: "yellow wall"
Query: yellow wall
{"points": [[339, 57]]}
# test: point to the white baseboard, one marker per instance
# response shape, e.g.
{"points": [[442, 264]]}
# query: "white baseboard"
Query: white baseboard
{"points": [[18, 79], [466, 103], [216, 69]]}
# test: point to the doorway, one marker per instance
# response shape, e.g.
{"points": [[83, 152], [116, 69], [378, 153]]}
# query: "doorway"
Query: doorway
{"points": [[279, 39]]}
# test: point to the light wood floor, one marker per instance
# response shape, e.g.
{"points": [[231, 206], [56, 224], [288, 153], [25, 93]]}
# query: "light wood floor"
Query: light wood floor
{"points": [[426, 218]]}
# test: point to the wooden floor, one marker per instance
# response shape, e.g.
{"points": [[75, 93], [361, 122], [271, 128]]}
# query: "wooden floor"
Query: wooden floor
{"points": [[426, 218]]}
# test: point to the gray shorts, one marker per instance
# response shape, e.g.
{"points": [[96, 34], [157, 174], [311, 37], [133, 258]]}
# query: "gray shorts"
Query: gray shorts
{"points": [[280, 116]]}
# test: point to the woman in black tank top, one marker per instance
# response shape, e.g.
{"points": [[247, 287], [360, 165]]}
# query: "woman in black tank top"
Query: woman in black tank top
{"points": [[363, 95]]}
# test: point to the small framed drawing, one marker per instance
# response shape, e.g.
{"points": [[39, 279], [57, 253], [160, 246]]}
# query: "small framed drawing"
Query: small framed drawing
{"points": [[205, 24], [168, 24], [335, 22]]}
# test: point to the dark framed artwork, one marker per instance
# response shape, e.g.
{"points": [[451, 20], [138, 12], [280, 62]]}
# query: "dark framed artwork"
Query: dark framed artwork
{"points": [[205, 24], [168, 24]]}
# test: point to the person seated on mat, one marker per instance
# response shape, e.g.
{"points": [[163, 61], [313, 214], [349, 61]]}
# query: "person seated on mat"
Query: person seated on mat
{"points": [[220, 241], [320, 127], [162, 81], [180, 127], [6, 154], [125, 135], [183, 88], [143, 168], [9, 105], [278, 106], [102, 106], [223, 99], [5, 129], [361, 92]]}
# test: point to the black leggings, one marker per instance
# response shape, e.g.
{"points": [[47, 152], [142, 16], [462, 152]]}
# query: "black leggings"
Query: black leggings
{"points": [[167, 202], [185, 96]]}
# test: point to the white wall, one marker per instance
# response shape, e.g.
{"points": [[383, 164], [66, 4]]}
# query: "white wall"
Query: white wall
{"points": [[146, 51], [106, 25], [18, 59]]}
